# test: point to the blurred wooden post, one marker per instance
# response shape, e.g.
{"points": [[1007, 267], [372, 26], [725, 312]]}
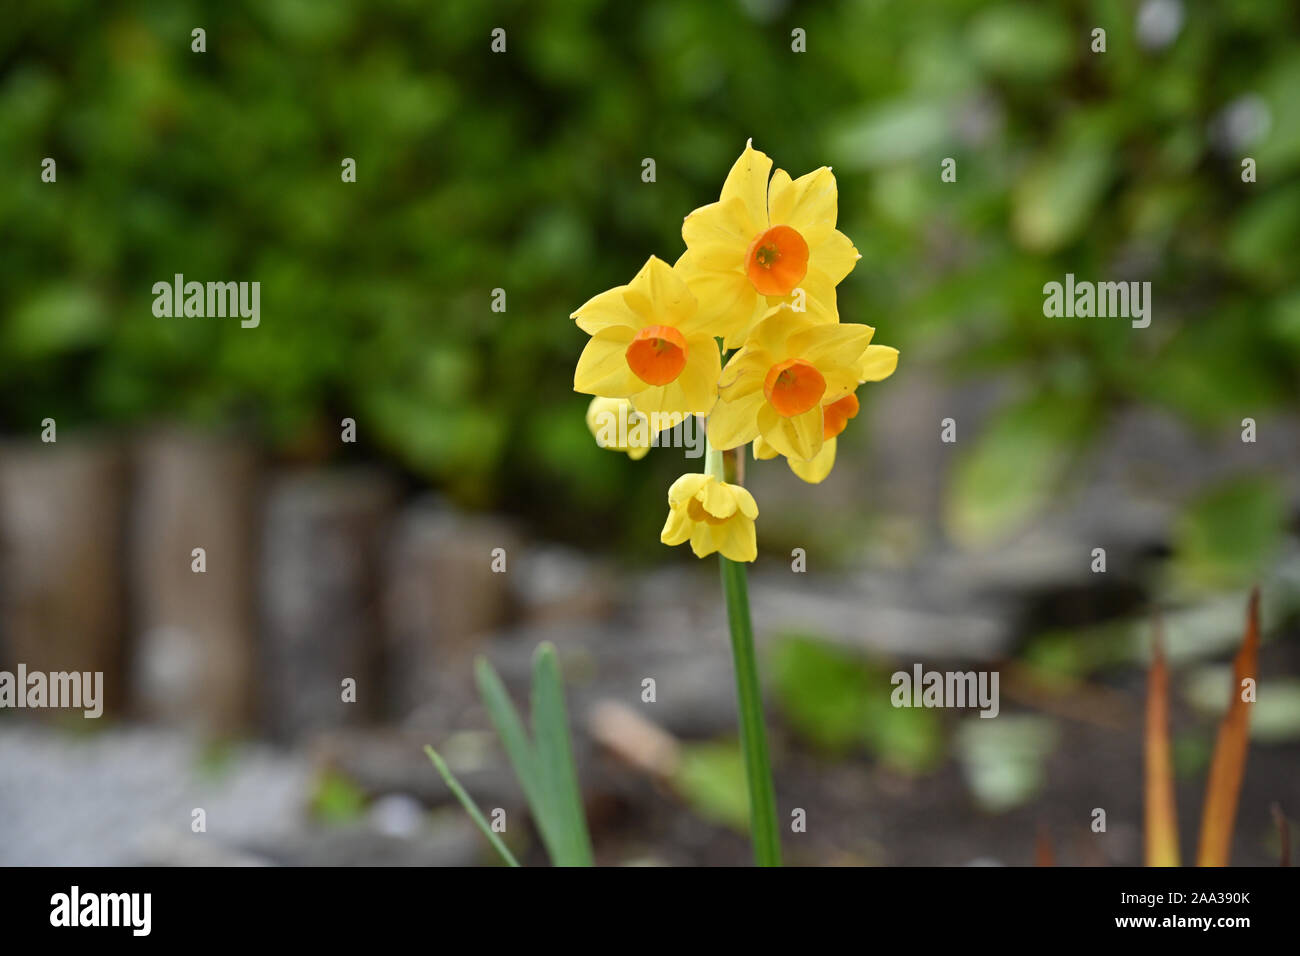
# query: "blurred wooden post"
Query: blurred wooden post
{"points": [[61, 522], [319, 598], [441, 596], [193, 662]]}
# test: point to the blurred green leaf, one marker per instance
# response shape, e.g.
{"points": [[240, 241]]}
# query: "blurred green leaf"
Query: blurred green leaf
{"points": [[1057, 195], [711, 778], [337, 799], [543, 765], [470, 806], [1014, 467], [839, 702], [1025, 42], [1225, 537], [558, 777]]}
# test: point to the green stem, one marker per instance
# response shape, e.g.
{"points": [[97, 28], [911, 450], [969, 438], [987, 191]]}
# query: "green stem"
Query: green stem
{"points": [[753, 737]]}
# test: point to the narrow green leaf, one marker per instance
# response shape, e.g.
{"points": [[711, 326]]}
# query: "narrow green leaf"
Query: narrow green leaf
{"points": [[470, 806], [559, 777], [523, 756]]}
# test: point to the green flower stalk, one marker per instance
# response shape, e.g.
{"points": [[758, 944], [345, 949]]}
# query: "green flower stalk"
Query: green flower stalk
{"points": [[749, 696]]}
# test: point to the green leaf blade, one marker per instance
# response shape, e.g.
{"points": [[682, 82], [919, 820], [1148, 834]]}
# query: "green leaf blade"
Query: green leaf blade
{"points": [[554, 750], [470, 806]]}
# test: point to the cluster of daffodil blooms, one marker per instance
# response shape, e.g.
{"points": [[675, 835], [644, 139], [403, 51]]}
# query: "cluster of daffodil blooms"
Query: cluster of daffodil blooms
{"points": [[756, 285]]}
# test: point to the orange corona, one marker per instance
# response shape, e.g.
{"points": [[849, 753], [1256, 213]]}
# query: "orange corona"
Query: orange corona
{"points": [[657, 355]]}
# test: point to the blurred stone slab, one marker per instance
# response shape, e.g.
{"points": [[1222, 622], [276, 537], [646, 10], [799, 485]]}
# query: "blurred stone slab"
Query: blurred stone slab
{"points": [[61, 540], [449, 842], [320, 597], [384, 761], [442, 598], [556, 583], [125, 796], [194, 656], [882, 624], [691, 668]]}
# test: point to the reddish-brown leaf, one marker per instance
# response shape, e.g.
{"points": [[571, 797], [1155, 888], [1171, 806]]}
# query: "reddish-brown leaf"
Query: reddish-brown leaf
{"points": [[1229, 763], [1161, 811], [1043, 853], [1283, 835]]}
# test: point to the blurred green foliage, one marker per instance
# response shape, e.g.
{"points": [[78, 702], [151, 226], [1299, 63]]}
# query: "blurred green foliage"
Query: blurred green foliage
{"points": [[522, 171], [336, 799], [711, 778], [840, 702], [1229, 534]]}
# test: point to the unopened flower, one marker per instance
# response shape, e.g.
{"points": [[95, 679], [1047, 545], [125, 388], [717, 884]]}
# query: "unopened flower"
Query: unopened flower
{"points": [[761, 241], [713, 516], [650, 344], [791, 367], [616, 425]]}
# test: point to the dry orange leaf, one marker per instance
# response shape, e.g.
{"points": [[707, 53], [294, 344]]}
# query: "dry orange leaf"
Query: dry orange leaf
{"points": [[1161, 822], [1229, 763]]}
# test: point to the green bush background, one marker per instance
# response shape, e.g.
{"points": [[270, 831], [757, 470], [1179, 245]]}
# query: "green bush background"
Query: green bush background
{"points": [[523, 171]]}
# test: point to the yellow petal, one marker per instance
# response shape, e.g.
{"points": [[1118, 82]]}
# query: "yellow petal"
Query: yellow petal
{"points": [[602, 367], [797, 437], [737, 336], [699, 379], [745, 502], [744, 373], [809, 300], [815, 470], [780, 201], [659, 296], [605, 310], [713, 257], [732, 424], [664, 405], [721, 223], [841, 380], [727, 300], [718, 499], [737, 539], [763, 451], [878, 362], [774, 331], [687, 487], [835, 256], [819, 297], [614, 423], [827, 345], [748, 180], [677, 529], [702, 541], [810, 205]]}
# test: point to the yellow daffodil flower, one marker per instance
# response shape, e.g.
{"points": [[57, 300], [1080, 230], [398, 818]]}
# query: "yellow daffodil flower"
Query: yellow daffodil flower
{"points": [[713, 516], [762, 241], [835, 418], [777, 385], [650, 344], [878, 362], [618, 426]]}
